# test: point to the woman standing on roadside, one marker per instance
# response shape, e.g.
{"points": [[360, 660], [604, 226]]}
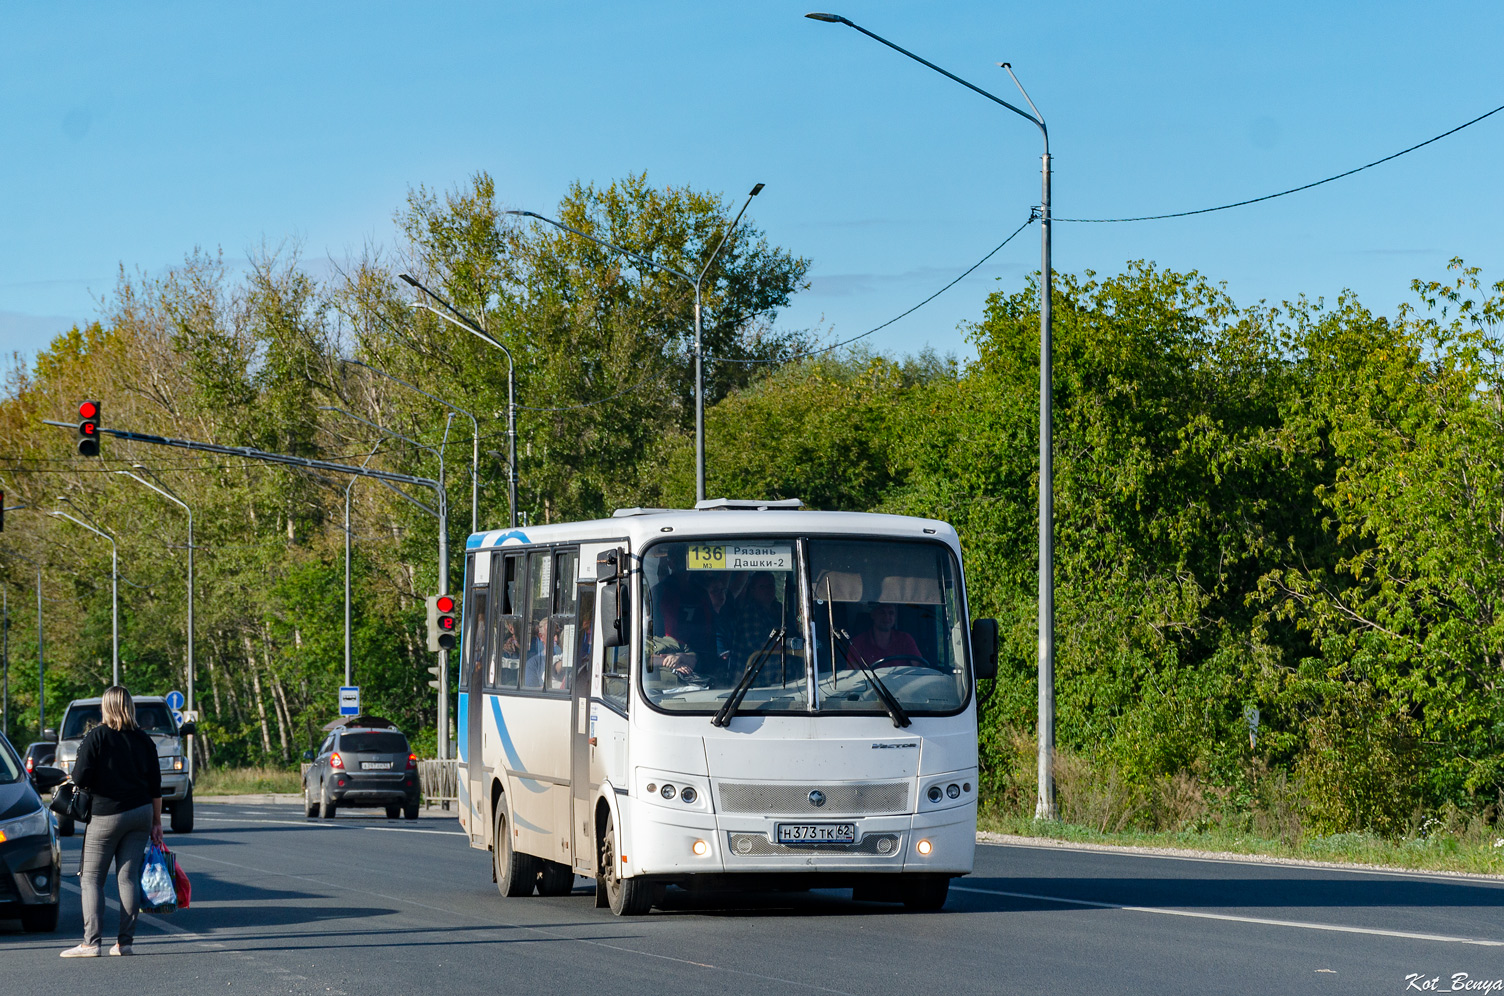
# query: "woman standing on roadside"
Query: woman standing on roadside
{"points": [[117, 764]]}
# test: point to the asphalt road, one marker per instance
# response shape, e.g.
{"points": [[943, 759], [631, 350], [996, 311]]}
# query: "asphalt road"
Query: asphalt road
{"points": [[361, 905]]}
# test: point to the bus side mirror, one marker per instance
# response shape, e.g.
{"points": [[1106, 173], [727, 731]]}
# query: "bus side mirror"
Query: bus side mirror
{"points": [[608, 570], [984, 648]]}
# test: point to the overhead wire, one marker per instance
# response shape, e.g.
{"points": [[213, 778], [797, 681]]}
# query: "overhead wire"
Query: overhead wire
{"points": [[1292, 190], [1033, 217]]}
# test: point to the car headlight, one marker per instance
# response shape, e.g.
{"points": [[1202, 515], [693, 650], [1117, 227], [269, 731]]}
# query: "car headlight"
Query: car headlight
{"points": [[173, 763], [30, 825]]}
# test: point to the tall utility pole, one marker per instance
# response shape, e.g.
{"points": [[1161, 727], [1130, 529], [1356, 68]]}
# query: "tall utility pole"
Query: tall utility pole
{"points": [[1045, 807], [165, 492], [694, 282]]}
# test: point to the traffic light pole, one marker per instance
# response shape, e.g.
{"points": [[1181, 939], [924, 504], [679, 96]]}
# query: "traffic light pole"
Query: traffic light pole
{"points": [[385, 476]]}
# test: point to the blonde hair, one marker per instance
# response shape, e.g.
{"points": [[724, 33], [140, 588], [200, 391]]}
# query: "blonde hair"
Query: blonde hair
{"points": [[118, 708]]}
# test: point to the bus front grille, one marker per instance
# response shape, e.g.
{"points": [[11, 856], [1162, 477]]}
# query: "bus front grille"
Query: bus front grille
{"points": [[773, 798], [749, 845]]}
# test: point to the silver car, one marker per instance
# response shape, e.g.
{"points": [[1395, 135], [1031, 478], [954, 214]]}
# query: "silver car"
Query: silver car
{"points": [[154, 717]]}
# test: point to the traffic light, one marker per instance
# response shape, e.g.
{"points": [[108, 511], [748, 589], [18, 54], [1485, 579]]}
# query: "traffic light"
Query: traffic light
{"points": [[88, 428], [442, 623], [434, 681]]}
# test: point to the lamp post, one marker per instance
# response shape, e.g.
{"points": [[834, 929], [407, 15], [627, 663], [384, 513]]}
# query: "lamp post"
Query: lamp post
{"points": [[441, 512], [114, 585], [41, 669], [464, 321], [474, 439], [347, 559], [165, 492], [1045, 807], [696, 282]]}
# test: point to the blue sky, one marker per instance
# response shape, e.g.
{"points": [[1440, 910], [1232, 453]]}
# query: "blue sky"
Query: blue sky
{"points": [[135, 132]]}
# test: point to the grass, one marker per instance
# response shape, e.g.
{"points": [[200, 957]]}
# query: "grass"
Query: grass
{"points": [[246, 781], [1436, 850]]}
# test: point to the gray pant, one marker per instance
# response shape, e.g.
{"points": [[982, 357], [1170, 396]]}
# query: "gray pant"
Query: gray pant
{"points": [[120, 838]]}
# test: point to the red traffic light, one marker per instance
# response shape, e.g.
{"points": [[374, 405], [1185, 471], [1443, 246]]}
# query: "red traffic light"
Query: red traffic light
{"points": [[444, 603], [88, 429], [88, 409], [446, 623]]}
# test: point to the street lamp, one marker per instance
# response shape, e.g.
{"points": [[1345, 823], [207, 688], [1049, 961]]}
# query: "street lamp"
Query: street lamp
{"points": [[367, 460], [1045, 807], [114, 583], [441, 512], [474, 439], [696, 283], [464, 321], [165, 492]]}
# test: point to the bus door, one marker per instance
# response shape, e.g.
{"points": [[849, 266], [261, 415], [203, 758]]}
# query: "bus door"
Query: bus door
{"points": [[474, 674], [581, 791]]}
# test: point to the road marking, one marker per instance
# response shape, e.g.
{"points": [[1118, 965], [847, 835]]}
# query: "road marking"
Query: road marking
{"points": [[1263, 921], [330, 826]]}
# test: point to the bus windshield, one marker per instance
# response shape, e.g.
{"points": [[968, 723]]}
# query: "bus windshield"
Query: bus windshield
{"points": [[881, 612]]}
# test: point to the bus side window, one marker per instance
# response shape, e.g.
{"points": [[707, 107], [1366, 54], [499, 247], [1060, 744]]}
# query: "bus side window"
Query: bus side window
{"points": [[561, 667], [506, 632], [475, 638], [539, 637]]}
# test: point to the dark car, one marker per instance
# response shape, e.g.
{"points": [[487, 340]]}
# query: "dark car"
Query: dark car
{"points": [[366, 763], [30, 860], [39, 753]]}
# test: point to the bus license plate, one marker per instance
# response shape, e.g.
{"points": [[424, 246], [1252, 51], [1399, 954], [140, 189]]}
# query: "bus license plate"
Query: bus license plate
{"points": [[817, 833]]}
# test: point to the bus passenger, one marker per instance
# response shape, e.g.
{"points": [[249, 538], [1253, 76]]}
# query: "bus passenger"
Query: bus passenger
{"points": [[883, 640], [757, 614]]}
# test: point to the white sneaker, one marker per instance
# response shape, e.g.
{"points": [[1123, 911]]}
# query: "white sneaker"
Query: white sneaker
{"points": [[81, 951], [121, 949]]}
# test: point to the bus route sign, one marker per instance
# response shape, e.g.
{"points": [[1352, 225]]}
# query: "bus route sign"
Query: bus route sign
{"points": [[740, 557]]}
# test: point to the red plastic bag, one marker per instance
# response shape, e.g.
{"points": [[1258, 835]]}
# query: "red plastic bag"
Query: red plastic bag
{"points": [[181, 884]]}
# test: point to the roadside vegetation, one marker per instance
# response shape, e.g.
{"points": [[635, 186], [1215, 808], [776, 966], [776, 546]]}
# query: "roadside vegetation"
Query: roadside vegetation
{"points": [[1295, 508], [261, 779]]}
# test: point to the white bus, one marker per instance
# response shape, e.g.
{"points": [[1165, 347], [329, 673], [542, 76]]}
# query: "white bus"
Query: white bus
{"points": [[744, 695]]}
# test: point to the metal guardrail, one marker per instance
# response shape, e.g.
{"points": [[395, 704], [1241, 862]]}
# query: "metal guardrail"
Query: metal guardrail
{"points": [[439, 780]]}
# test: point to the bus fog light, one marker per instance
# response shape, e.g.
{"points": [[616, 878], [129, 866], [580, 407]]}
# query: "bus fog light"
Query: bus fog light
{"points": [[667, 791], [953, 790], [935, 794], [688, 796], [701, 848], [923, 847], [652, 788]]}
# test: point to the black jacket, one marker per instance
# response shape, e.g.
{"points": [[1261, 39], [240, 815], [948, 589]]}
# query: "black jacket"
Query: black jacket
{"points": [[120, 768]]}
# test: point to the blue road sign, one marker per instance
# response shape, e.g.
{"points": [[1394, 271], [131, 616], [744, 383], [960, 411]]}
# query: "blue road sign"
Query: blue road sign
{"points": [[349, 700], [175, 701]]}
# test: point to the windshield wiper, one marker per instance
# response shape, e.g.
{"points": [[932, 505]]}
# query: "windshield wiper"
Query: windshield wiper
{"points": [[754, 666], [900, 717]]}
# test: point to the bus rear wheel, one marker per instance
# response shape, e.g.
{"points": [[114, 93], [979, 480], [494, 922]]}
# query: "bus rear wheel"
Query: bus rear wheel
{"points": [[555, 879], [516, 874], [626, 896]]}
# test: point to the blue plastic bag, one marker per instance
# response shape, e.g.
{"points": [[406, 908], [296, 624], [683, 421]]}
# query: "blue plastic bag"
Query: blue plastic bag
{"points": [[158, 894]]}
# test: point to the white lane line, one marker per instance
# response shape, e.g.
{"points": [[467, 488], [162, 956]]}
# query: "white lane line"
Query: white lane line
{"points": [[1263, 921], [330, 826]]}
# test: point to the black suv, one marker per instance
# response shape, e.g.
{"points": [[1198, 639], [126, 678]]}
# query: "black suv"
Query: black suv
{"points": [[365, 763]]}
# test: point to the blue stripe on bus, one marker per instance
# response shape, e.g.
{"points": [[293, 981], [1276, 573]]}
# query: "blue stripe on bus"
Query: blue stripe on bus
{"points": [[464, 727], [513, 761]]}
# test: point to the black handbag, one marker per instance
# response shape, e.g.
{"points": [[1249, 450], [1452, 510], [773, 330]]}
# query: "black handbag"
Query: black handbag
{"points": [[72, 802]]}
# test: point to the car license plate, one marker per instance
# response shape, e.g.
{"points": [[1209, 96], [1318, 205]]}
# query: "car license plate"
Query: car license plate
{"points": [[817, 833], [375, 765]]}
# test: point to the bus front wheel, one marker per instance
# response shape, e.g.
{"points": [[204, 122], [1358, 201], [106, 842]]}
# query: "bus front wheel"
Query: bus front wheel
{"points": [[626, 896], [516, 874], [924, 893]]}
